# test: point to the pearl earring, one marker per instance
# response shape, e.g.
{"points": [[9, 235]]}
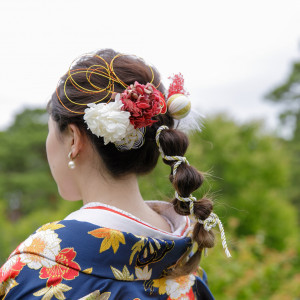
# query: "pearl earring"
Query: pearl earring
{"points": [[71, 163]]}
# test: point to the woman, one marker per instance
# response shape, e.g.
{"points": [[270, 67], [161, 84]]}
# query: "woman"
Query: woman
{"points": [[108, 124]]}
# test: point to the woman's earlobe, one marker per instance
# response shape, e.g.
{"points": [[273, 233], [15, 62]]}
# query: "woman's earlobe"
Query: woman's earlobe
{"points": [[77, 139]]}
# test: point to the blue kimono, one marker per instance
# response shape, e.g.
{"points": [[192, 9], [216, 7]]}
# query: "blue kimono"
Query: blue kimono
{"points": [[75, 259]]}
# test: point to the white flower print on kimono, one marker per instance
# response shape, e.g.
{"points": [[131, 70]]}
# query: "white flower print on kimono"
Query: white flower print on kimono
{"points": [[40, 249], [177, 288]]}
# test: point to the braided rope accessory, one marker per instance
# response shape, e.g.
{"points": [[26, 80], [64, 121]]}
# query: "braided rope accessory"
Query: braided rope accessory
{"points": [[179, 160], [212, 221], [158, 132], [189, 199]]}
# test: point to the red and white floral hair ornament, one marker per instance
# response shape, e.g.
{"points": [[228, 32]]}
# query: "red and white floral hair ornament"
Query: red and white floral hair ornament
{"points": [[125, 116], [124, 121], [143, 102]]}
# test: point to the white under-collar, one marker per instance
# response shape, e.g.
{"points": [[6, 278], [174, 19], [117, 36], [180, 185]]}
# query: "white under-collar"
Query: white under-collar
{"points": [[109, 216]]}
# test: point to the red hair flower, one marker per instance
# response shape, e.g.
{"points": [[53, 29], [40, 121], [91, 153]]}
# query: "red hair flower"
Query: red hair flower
{"points": [[143, 102]]}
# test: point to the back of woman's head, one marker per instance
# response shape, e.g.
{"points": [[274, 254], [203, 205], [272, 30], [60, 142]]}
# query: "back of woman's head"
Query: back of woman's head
{"points": [[98, 78], [88, 81]]}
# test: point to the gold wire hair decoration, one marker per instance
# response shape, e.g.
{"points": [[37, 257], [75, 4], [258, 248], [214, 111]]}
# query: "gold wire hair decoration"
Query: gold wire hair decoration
{"points": [[103, 69]]}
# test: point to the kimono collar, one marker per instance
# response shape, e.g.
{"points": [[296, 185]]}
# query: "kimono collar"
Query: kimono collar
{"points": [[111, 217]]}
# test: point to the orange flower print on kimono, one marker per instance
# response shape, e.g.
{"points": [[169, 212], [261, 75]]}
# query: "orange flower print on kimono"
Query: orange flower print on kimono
{"points": [[111, 238]]}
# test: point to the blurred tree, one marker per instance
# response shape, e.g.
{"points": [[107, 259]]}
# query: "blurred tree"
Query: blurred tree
{"points": [[28, 193], [254, 272], [247, 171], [25, 180], [247, 174], [288, 95]]}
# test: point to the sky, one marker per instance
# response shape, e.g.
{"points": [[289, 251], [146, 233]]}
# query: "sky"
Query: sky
{"points": [[231, 53]]}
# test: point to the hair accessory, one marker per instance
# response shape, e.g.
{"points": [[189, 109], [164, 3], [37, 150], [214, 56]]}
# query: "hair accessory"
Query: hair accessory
{"points": [[212, 221], [134, 140], [123, 121], [101, 68], [178, 103], [108, 120], [179, 160], [143, 102], [189, 199], [71, 163]]}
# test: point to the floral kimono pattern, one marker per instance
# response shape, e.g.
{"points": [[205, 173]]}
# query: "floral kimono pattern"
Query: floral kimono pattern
{"points": [[79, 260]]}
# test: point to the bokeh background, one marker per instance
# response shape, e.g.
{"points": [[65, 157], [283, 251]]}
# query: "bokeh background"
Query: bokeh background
{"points": [[241, 63]]}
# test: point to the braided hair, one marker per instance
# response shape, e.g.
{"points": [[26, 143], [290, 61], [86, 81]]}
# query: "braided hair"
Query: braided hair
{"points": [[185, 179]]}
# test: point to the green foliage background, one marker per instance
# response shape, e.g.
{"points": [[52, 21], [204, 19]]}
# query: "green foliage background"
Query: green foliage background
{"points": [[252, 177]]}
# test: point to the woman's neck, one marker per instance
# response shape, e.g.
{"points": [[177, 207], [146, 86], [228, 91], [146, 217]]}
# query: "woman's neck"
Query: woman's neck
{"points": [[122, 193]]}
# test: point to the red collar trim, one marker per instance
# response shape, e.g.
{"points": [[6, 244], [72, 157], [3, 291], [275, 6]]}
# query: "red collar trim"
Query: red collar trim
{"points": [[140, 222]]}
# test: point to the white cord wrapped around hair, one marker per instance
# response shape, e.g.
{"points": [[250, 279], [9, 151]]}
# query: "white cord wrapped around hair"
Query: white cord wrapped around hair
{"points": [[212, 221], [179, 160], [189, 199]]}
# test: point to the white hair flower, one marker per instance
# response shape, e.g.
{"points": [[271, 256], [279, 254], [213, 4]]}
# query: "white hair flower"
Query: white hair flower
{"points": [[108, 120]]}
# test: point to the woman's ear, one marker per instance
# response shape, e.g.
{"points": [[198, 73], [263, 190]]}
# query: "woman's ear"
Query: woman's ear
{"points": [[76, 139]]}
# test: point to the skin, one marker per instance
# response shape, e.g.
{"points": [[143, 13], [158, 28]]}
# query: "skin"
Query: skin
{"points": [[90, 181]]}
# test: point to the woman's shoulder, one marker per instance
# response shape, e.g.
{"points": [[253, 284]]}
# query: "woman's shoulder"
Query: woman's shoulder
{"points": [[61, 256]]}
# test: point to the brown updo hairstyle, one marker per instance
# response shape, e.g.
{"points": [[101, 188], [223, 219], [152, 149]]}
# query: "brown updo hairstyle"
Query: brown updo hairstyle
{"points": [[138, 161]]}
